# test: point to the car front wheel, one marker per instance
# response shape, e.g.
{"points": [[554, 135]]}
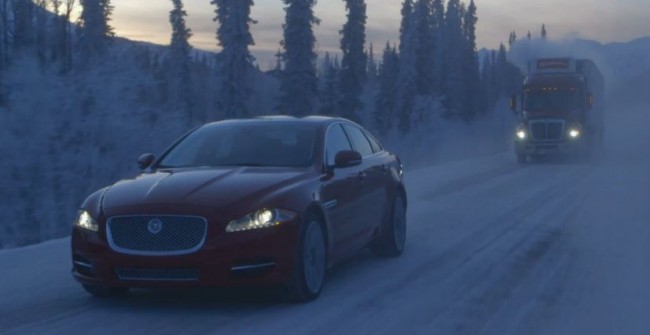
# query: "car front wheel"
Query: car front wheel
{"points": [[311, 263]]}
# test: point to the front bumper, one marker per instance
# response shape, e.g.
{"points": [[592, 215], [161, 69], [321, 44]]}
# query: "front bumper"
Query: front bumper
{"points": [[534, 148], [249, 258]]}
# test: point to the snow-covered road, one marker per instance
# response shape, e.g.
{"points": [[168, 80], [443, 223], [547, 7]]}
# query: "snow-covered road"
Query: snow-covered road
{"points": [[493, 248]]}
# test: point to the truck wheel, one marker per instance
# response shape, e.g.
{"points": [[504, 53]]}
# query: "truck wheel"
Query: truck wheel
{"points": [[522, 159]]}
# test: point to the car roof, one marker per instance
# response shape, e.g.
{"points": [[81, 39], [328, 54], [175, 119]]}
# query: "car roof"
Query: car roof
{"points": [[285, 119]]}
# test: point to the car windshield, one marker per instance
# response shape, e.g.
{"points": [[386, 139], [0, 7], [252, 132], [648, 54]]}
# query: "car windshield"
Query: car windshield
{"points": [[551, 99], [244, 144]]}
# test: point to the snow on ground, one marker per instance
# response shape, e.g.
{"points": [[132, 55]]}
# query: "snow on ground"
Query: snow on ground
{"points": [[493, 248]]}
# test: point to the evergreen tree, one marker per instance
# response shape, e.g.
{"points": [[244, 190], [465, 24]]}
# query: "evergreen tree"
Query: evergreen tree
{"points": [[529, 36], [425, 47], [512, 39], [354, 62], [330, 93], [544, 33], [23, 30], [386, 99], [41, 32], [67, 36], [234, 60], [5, 33], [96, 33], [372, 65], [438, 63], [454, 48], [298, 82], [406, 85], [180, 60], [470, 67]]}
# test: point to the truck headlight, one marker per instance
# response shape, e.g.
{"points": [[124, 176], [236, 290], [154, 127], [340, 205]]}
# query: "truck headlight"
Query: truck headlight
{"points": [[521, 134], [263, 218], [86, 222], [574, 133]]}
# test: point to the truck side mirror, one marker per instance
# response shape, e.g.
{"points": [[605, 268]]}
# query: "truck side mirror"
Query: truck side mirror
{"points": [[513, 103], [590, 100]]}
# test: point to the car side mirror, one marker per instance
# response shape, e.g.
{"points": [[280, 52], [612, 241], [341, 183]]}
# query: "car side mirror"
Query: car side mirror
{"points": [[590, 100], [347, 158], [145, 161], [513, 104]]}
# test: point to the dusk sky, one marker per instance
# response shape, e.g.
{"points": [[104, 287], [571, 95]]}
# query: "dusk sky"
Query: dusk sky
{"points": [[600, 20]]}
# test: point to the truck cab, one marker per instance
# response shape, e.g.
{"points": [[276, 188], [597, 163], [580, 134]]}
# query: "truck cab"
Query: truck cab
{"points": [[558, 113]]}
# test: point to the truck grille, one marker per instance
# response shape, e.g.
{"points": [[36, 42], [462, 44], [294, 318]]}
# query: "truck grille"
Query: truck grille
{"points": [[547, 130], [152, 235]]}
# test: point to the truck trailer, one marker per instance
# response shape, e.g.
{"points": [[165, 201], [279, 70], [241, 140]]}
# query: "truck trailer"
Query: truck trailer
{"points": [[561, 109]]}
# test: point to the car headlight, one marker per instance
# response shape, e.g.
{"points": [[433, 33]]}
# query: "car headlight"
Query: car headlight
{"points": [[85, 221], [263, 218], [574, 133]]}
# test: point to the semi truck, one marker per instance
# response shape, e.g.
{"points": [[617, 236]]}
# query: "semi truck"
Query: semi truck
{"points": [[561, 109]]}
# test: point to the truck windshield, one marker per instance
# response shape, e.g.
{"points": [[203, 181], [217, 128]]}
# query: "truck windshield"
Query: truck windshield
{"points": [[551, 99]]}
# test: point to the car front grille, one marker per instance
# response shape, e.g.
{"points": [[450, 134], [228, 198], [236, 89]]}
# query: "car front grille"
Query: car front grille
{"points": [[153, 235], [547, 130], [158, 274]]}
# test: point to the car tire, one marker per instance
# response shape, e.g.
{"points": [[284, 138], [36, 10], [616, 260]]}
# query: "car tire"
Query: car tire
{"points": [[392, 238], [105, 292], [311, 263]]}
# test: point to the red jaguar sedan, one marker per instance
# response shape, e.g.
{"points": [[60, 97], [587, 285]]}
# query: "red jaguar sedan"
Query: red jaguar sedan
{"points": [[265, 201]]}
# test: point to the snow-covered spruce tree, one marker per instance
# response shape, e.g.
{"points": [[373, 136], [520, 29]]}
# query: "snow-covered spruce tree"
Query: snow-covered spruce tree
{"points": [[95, 34], [180, 61], [5, 48], [386, 96], [425, 48], [298, 81], [23, 27], [234, 60], [470, 67], [438, 18], [544, 32], [330, 91], [354, 62], [42, 31], [488, 90], [372, 66], [406, 90], [454, 47]]}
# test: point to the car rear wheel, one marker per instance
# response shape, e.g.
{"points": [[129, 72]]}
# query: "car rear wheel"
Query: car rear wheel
{"points": [[311, 263], [392, 239], [105, 292]]}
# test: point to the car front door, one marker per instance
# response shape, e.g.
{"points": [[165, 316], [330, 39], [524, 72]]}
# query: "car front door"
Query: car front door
{"points": [[373, 197], [340, 194]]}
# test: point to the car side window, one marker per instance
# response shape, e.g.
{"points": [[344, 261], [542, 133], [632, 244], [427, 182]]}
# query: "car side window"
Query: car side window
{"points": [[359, 141], [376, 146], [337, 141]]}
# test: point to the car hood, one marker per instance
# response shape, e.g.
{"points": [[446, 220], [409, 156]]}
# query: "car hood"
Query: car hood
{"points": [[213, 187]]}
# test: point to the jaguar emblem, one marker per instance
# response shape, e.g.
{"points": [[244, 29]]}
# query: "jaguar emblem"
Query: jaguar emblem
{"points": [[155, 226]]}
